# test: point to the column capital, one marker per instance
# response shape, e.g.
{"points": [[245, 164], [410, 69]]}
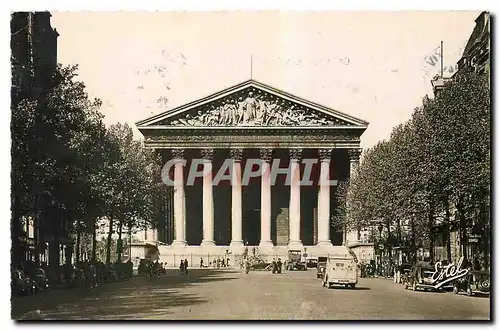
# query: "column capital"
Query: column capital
{"points": [[295, 154], [178, 153], [266, 154], [207, 154], [325, 154], [236, 154], [354, 154]]}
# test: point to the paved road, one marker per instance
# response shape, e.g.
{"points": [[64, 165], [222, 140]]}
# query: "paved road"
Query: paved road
{"points": [[208, 294]]}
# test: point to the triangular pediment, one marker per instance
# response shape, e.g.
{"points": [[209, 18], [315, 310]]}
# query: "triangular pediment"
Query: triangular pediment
{"points": [[251, 104]]}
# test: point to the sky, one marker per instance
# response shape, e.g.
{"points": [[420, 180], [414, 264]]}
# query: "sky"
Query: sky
{"points": [[370, 65]]}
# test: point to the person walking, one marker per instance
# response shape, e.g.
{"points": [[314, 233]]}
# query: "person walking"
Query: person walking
{"points": [[279, 263], [185, 266], [274, 267], [181, 267], [227, 262], [201, 262], [247, 266]]}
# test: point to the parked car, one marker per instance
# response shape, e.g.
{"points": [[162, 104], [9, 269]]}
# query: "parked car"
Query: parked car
{"points": [[295, 261], [20, 284], [40, 279], [475, 282], [405, 273], [420, 278], [312, 262]]}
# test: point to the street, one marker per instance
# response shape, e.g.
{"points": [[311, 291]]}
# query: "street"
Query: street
{"points": [[228, 294]]}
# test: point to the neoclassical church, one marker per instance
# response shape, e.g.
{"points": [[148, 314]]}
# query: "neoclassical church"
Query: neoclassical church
{"points": [[266, 214]]}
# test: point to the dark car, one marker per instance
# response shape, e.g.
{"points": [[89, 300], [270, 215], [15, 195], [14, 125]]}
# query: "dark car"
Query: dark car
{"points": [[260, 265], [312, 262], [419, 278], [405, 273], [20, 284], [475, 282], [40, 279]]}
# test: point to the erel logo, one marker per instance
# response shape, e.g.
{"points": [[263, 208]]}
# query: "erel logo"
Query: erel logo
{"points": [[447, 274]]}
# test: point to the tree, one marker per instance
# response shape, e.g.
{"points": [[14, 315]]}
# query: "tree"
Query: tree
{"points": [[45, 157], [439, 159]]}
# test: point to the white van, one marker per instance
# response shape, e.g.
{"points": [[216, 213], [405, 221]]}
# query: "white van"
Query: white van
{"points": [[341, 269]]}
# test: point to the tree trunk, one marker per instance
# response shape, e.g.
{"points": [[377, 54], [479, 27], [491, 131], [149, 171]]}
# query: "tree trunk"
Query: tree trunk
{"points": [[130, 243], [54, 246], [38, 234], [447, 237], [108, 242], [389, 244], [413, 240], [463, 229], [431, 232], [15, 225], [94, 241], [399, 234], [485, 235], [78, 239], [120, 243]]}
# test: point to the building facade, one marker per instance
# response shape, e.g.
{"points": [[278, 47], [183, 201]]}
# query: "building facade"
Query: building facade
{"points": [[244, 129], [33, 53], [476, 55], [33, 63]]}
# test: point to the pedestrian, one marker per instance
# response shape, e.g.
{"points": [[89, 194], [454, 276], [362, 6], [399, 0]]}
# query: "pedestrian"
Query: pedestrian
{"points": [[218, 263], [201, 262], [185, 266], [223, 263], [181, 267], [274, 267], [247, 266], [227, 262], [279, 263]]}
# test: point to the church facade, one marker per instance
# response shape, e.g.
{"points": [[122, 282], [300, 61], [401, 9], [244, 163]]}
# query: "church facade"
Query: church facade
{"points": [[296, 152]]}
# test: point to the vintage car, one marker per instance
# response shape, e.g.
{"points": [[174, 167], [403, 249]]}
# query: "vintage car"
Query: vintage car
{"points": [[405, 273], [40, 279], [475, 282], [20, 284], [295, 261], [420, 278], [320, 269], [312, 262], [260, 265], [341, 269]]}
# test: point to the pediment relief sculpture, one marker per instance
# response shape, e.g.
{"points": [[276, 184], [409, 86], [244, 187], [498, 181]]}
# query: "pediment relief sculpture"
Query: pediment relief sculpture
{"points": [[255, 109]]}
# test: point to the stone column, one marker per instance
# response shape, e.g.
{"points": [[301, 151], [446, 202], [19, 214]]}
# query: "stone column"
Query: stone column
{"points": [[324, 198], [208, 199], [265, 199], [353, 235], [236, 201], [353, 160], [179, 199], [294, 207]]}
